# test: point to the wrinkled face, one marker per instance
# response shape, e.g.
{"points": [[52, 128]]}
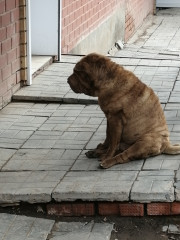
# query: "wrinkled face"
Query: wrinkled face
{"points": [[81, 81]]}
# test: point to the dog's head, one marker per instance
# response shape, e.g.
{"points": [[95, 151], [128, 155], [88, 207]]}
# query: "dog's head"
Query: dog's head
{"points": [[88, 74]]}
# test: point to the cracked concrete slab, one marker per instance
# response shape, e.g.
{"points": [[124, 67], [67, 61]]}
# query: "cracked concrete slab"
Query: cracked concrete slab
{"points": [[16, 227]]}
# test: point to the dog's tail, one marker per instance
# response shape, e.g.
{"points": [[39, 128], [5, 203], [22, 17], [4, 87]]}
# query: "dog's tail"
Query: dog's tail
{"points": [[172, 149]]}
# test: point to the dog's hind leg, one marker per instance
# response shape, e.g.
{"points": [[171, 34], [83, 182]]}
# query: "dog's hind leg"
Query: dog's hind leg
{"points": [[150, 145]]}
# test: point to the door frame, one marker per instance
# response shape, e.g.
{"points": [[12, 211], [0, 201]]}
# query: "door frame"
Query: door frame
{"points": [[28, 29]]}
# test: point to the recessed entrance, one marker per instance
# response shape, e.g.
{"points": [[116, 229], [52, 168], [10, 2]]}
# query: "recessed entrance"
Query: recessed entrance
{"points": [[44, 38]]}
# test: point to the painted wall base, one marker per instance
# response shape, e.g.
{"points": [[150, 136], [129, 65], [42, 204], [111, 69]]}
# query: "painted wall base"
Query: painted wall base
{"points": [[103, 38]]}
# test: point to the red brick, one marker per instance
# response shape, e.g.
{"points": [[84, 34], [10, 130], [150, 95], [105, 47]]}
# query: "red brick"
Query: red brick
{"points": [[6, 46], [61, 209], [15, 40], [66, 20], [11, 81], [16, 65], [64, 12], [108, 209], [6, 72], [6, 19], [2, 34], [15, 15], [18, 77], [71, 209], [65, 49], [122, 209], [82, 209], [17, 27], [11, 55], [71, 17], [65, 31], [71, 36], [2, 6], [66, 2], [131, 209], [3, 88], [10, 30], [18, 52], [158, 208], [78, 4], [17, 3], [175, 208], [16, 88], [10, 4], [3, 61]]}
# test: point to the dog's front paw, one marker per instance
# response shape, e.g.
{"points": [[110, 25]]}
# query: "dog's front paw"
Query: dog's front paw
{"points": [[91, 154], [107, 163]]}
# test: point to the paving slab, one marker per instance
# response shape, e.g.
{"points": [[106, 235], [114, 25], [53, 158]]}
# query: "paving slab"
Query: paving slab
{"points": [[15, 227], [28, 186], [80, 230], [171, 162], [153, 191], [42, 160], [95, 186], [154, 186], [162, 32]]}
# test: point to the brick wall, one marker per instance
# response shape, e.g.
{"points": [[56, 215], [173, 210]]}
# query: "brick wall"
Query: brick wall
{"points": [[9, 49], [80, 17], [136, 12]]}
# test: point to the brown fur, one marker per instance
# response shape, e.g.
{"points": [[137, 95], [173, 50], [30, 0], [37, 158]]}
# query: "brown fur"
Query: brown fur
{"points": [[136, 125]]}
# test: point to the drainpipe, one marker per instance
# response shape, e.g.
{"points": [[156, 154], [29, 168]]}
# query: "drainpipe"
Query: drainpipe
{"points": [[28, 29]]}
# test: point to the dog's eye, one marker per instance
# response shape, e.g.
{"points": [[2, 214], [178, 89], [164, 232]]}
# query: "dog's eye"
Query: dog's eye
{"points": [[77, 70]]}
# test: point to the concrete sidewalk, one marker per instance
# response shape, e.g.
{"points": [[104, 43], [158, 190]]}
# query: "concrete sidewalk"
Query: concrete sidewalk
{"points": [[16, 227], [42, 144]]}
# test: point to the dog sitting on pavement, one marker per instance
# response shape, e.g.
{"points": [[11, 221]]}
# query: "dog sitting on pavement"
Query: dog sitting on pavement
{"points": [[136, 125]]}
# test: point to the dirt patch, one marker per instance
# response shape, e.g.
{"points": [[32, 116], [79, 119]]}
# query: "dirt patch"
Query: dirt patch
{"points": [[125, 228], [146, 228]]}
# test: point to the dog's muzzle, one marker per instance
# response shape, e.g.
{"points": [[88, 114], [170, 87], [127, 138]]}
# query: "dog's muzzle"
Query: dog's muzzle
{"points": [[73, 85]]}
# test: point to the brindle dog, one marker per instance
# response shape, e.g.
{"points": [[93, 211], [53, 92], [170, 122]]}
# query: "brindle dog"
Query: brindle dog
{"points": [[136, 125]]}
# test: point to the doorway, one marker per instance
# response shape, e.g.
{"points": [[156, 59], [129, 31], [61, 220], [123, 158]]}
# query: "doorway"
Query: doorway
{"points": [[44, 31]]}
